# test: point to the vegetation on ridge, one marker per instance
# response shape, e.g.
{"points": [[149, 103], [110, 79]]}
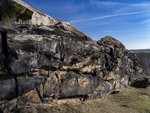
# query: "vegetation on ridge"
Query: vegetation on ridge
{"points": [[140, 51]]}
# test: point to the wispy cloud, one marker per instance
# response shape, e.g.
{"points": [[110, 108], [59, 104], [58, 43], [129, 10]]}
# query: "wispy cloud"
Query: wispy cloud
{"points": [[147, 21], [112, 3], [106, 4], [143, 4], [103, 17], [117, 9], [121, 6]]}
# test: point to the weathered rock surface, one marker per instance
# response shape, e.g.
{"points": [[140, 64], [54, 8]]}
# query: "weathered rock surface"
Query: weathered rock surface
{"points": [[49, 59], [18, 12], [144, 61], [7, 88]]}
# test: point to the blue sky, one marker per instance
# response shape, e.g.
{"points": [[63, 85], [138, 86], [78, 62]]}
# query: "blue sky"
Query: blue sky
{"points": [[126, 20]]}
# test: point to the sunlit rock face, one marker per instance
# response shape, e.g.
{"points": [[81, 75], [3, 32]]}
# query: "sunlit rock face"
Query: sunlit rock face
{"points": [[17, 12], [42, 59]]}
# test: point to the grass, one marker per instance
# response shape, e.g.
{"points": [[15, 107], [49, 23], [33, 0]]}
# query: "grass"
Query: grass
{"points": [[129, 100], [140, 51], [134, 100]]}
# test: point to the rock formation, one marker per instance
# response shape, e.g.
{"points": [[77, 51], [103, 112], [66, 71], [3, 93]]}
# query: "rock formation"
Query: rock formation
{"points": [[42, 59], [144, 61]]}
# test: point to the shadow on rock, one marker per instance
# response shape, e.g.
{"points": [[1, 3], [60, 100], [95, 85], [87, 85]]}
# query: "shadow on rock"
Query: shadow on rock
{"points": [[142, 83]]}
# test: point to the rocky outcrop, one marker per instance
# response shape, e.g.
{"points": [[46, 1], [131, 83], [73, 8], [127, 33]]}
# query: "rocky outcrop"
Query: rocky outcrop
{"points": [[18, 12], [42, 62], [144, 61]]}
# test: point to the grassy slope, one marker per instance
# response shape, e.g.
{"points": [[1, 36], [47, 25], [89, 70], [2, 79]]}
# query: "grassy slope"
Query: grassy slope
{"points": [[140, 51], [130, 100]]}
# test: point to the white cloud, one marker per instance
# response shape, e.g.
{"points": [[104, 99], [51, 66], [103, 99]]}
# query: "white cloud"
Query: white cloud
{"points": [[135, 7], [112, 3], [118, 9], [121, 7], [144, 4], [147, 21], [103, 17], [107, 4]]}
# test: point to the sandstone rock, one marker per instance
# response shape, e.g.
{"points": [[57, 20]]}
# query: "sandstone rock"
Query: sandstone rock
{"points": [[8, 106], [50, 59], [51, 86], [7, 88], [30, 97], [1, 53], [26, 84]]}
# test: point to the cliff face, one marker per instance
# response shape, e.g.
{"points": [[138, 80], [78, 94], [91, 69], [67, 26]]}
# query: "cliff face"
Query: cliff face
{"points": [[42, 61], [144, 61]]}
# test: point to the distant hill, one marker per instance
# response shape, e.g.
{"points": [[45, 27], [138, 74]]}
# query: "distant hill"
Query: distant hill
{"points": [[144, 61], [143, 56], [140, 50]]}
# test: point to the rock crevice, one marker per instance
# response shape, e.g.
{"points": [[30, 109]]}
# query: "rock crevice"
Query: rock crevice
{"points": [[41, 62]]}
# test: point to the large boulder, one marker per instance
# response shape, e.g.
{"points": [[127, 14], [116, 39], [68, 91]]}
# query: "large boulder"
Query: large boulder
{"points": [[50, 59]]}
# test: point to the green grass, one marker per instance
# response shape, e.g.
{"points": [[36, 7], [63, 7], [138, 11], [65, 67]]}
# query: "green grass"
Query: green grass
{"points": [[129, 100], [140, 51], [136, 100]]}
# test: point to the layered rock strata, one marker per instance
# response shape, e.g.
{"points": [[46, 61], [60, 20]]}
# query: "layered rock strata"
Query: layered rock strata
{"points": [[48, 59]]}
